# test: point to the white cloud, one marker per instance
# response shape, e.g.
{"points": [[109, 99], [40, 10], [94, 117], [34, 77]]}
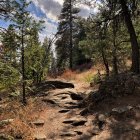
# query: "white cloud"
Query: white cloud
{"points": [[52, 9], [60, 1], [50, 28]]}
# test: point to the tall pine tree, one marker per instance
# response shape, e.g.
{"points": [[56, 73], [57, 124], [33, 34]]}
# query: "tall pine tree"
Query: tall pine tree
{"points": [[66, 34], [22, 21]]}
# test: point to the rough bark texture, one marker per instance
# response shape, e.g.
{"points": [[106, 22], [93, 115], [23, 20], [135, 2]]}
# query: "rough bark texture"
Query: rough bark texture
{"points": [[71, 42], [133, 37], [105, 62], [115, 66], [23, 70]]}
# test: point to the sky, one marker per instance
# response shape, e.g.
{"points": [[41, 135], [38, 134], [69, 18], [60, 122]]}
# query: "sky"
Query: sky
{"points": [[48, 10]]}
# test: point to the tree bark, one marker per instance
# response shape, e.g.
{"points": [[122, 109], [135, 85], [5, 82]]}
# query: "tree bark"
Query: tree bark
{"points": [[133, 37], [115, 66], [23, 69], [105, 62], [71, 41]]}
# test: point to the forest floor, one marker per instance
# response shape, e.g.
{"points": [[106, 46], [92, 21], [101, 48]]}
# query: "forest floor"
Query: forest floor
{"points": [[56, 115]]}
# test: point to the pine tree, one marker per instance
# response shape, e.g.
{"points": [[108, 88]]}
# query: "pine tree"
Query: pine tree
{"points": [[6, 7], [66, 32], [9, 41], [125, 11], [22, 22], [34, 53]]}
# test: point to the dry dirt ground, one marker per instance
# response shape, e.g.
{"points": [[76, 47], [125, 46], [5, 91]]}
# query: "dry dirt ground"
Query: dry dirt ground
{"points": [[59, 116], [62, 119]]}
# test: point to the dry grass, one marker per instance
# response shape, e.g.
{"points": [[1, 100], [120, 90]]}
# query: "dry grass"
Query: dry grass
{"points": [[82, 79], [22, 117], [87, 75], [82, 76], [19, 129], [69, 75]]}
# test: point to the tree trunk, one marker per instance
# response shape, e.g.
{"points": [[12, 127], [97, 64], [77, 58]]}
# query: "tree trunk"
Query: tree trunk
{"points": [[37, 77], [23, 69], [71, 41], [115, 66], [133, 37], [40, 76], [105, 62]]}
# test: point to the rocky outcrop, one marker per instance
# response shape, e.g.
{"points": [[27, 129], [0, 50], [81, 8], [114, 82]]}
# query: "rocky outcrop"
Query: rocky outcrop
{"points": [[39, 122], [56, 85], [43, 88], [40, 137], [119, 85], [6, 137], [113, 87], [75, 96], [121, 109], [6, 122]]}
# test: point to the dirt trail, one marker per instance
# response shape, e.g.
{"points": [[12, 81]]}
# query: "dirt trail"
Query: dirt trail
{"points": [[61, 116], [62, 119]]}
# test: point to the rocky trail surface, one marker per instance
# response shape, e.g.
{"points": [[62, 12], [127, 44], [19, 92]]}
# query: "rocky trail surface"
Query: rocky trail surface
{"points": [[62, 119]]}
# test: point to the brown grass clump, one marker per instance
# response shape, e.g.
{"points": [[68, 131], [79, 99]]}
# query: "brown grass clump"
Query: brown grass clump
{"points": [[69, 75], [19, 129], [82, 75], [15, 109], [22, 117]]}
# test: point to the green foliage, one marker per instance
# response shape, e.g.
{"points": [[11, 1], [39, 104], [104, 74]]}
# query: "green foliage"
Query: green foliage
{"points": [[96, 79], [88, 78], [65, 44], [37, 57], [87, 47], [34, 60], [10, 43], [15, 94], [92, 78], [9, 76], [6, 8], [22, 54]]}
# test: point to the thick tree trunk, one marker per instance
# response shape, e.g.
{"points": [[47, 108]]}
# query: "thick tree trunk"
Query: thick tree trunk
{"points": [[133, 37], [71, 41], [23, 70]]}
